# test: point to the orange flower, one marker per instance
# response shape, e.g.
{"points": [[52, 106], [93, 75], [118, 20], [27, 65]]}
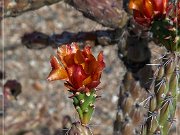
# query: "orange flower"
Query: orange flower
{"points": [[145, 11], [79, 69]]}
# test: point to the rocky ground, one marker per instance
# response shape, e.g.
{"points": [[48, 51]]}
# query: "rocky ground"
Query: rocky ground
{"points": [[41, 107]]}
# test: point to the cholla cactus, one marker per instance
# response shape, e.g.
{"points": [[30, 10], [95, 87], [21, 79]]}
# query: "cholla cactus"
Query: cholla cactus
{"points": [[130, 115], [161, 17], [82, 73], [164, 92]]}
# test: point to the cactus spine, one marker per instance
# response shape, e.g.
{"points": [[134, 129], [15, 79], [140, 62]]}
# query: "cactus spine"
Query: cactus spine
{"points": [[164, 90], [165, 82]]}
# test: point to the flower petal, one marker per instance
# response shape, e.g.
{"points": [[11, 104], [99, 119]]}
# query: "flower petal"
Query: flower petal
{"points": [[69, 60], [140, 19], [87, 51], [80, 69], [62, 51], [54, 63], [93, 84], [90, 64], [135, 4], [78, 57], [147, 8], [160, 5], [88, 80], [76, 76], [58, 72], [74, 47], [68, 85], [96, 76], [101, 63]]}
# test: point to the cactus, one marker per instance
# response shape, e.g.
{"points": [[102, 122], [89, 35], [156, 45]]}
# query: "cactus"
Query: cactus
{"points": [[130, 115], [163, 92], [166, 33], [158, 98], [165, 84], [84, 104], [133, 94], [82, 73]]}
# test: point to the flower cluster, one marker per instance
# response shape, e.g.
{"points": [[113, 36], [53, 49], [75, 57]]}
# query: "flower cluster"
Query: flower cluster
{"points": [[80, 69], [145, 11]]}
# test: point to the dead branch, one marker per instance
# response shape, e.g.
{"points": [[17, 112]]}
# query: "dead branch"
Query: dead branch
{"points": [[109, 13]]}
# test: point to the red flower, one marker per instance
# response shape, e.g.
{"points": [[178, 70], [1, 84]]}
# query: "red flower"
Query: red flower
{"points": [[79, 69], [145, 11]]}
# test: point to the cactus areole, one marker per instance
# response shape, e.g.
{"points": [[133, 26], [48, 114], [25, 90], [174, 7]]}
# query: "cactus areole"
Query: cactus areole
{"points": [[81, 72]]}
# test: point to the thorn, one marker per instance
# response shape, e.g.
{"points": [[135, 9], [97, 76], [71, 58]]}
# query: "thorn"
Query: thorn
{"points": [[150, 96], [161, 83], [71, 96], [167, 100], [167, 62], [153, 64], [167, 37], [152, 114], [171, 120], [162, 57]]}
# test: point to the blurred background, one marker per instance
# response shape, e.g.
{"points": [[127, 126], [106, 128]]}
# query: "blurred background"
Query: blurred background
{"points": [[42, 107]]}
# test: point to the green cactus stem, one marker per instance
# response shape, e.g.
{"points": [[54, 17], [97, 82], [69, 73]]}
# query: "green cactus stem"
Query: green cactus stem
{"points": [[84, 105], [165, 89], [166, 33]]}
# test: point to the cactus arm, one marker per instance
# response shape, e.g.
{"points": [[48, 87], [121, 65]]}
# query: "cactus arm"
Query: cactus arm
{"points": [[84, 104]]}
